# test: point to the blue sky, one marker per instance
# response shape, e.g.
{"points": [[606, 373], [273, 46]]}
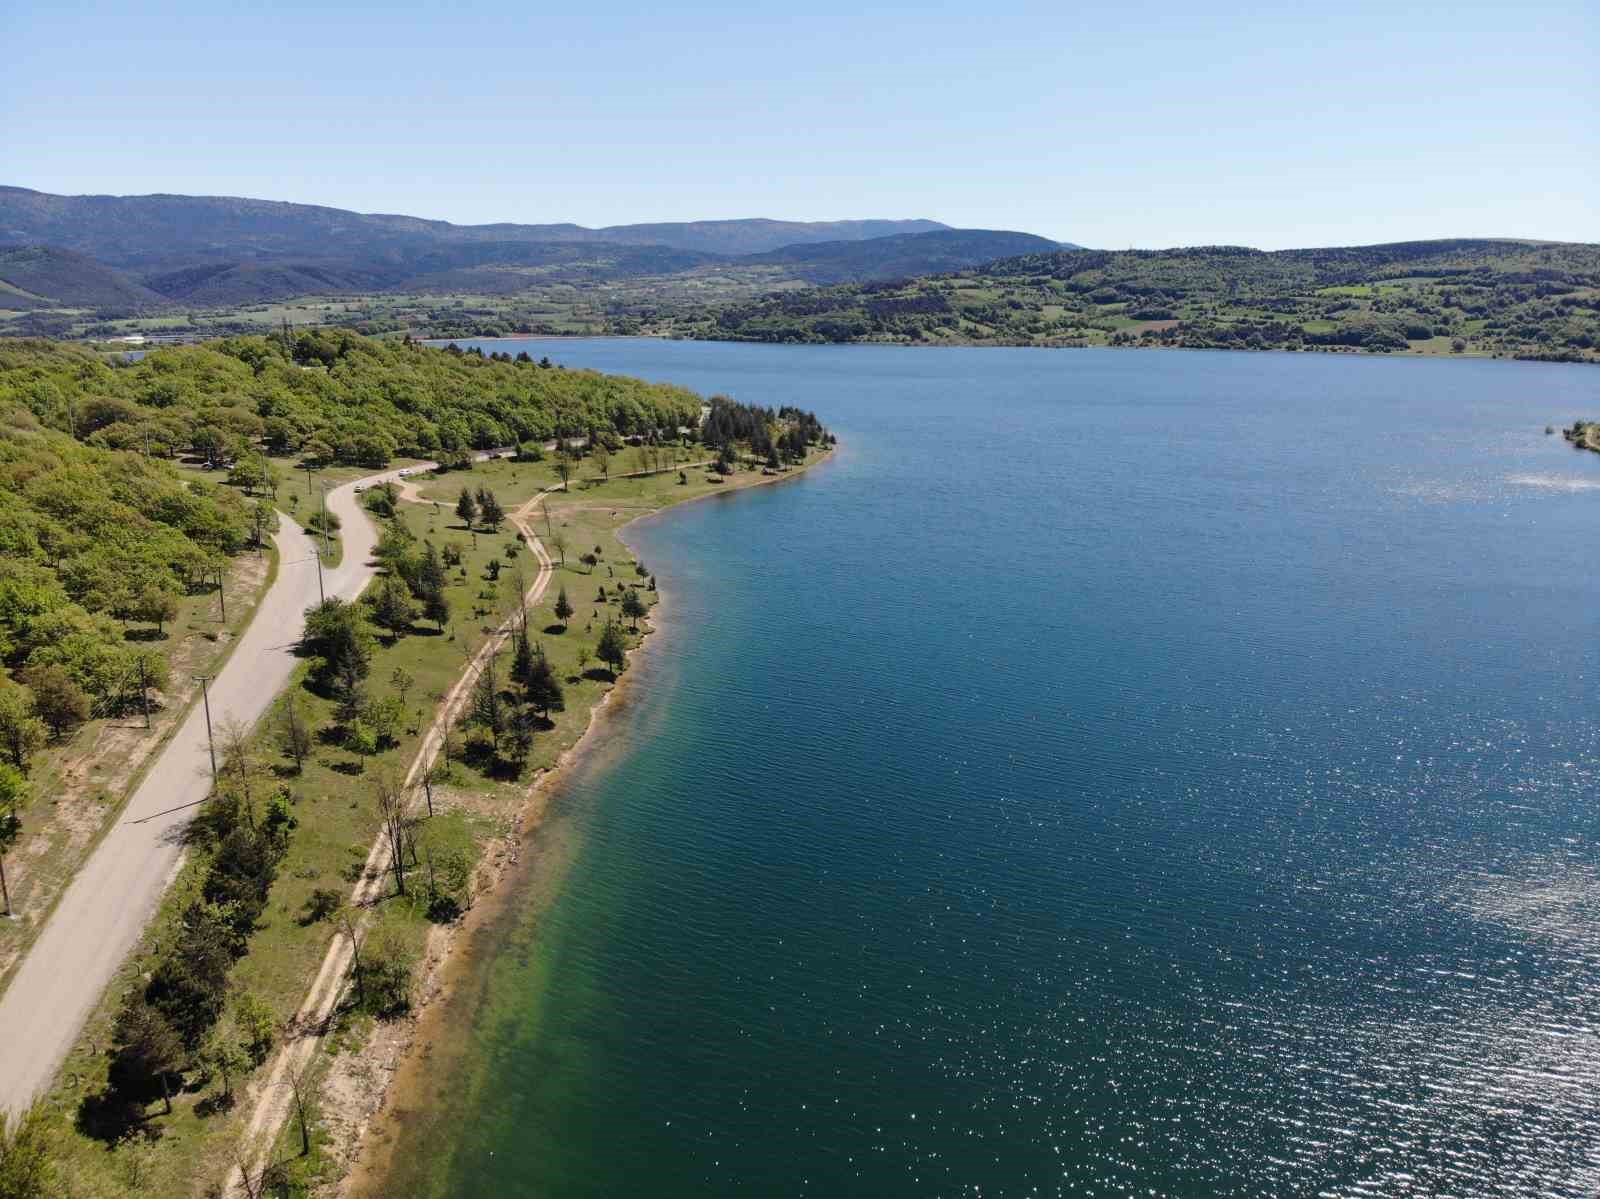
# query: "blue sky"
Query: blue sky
{"points": [[1109, 124]]}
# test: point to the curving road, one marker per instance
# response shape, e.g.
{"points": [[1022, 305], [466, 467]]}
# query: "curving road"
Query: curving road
{"points": [[101, 915]]}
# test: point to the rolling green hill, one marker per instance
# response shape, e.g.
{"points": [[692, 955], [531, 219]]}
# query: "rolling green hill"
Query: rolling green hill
{"points": [[1538, 299], [901, 255], [43, 277]]}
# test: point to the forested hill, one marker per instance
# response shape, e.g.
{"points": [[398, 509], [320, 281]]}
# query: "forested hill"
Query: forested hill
{"points": [[89, 536], [43, 277], [330, 394], [901, 255], [1539, 299], [146, 231], [97, 525]]}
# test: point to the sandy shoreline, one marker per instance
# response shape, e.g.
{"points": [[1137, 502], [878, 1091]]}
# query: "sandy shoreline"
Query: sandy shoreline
{"points": [[368, 1095]]}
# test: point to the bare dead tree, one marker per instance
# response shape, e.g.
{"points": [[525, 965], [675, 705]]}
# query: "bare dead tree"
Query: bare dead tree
{"points": [[392, 812], [293, 735], [348, 921], [239, 763], [300, 1091], [250, 1189]]}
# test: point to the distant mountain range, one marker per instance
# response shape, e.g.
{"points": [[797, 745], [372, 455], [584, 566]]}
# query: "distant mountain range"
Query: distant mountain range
{"points": [[136, 254]]}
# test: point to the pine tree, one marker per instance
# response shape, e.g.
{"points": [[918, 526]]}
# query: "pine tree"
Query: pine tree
{"points": [[522, 664], [391, 607], [489, 509], [564, 607], [633, 607], [466, 509], [612, 650], [436, 608], [487, 710], [544, 689], [430, 574]]}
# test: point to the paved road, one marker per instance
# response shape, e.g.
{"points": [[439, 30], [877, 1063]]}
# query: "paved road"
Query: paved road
{"points": [[105, 909]]}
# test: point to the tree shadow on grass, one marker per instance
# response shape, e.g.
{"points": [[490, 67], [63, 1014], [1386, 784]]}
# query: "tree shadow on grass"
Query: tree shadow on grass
{"points": [[144, 635], [215, 1103], [347, 767], [112, 1117]]}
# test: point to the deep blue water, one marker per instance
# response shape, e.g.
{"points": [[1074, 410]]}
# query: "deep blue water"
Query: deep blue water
{"points": [[1118, 773]]}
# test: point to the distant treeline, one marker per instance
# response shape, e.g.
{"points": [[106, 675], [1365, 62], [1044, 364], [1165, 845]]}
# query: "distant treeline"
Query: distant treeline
{"points": [[1527, 299]]}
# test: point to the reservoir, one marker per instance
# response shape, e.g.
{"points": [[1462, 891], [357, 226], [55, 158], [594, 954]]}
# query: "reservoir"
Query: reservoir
{"points": [[1114, 773]]}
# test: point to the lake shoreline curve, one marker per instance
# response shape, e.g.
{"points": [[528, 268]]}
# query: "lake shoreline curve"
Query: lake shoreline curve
{"points": [[370, 1093]]}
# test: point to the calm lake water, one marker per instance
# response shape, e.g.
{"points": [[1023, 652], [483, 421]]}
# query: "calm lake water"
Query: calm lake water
{"points": [[1119, 773]]}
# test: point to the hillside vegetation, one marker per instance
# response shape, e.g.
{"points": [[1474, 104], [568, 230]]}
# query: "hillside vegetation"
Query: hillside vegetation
{"points": [[97, 525], [325, 396], [42, 277], [88, 538], [1521, 298]]}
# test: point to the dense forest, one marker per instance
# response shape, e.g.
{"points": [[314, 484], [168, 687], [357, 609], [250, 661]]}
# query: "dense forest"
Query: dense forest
{"points": [[1527, 299], [322, 395], [90, 538]]}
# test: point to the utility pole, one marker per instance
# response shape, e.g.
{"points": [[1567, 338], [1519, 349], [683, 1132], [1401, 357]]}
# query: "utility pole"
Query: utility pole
{"points": [[324, 502], [321, 595], [210, 742], [221, 596], [144, 693], [310, 470]]}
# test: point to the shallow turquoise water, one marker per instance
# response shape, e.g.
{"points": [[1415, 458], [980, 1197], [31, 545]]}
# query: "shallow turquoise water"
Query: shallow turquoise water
{"points": [[1116, 774]]}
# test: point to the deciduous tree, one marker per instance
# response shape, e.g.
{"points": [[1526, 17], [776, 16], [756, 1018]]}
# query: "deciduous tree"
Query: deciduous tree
{"points": [[391, 800], [157, 606], [294, 736], [22, 733], [13, 797], [57, 698]]}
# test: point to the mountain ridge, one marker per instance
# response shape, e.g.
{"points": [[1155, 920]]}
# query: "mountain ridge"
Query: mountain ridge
{"points": [[167, 249], [128, 231]]}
